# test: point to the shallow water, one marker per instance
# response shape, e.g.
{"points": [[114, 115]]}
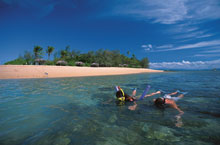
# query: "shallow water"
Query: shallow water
{"points": [[83, 111]]}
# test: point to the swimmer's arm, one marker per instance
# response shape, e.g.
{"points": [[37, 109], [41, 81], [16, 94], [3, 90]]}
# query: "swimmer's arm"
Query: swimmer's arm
{"points": [[174, 93], [134, 93], [177, 108], [152, 94]]}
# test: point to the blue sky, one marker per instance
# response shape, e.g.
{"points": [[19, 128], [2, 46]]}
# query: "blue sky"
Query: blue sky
{"points": [[172, 34]]}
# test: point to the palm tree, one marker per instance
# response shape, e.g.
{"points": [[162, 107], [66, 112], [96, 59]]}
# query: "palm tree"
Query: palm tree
{"points": [[37, 51], [68, 48], [128, 52], [63, 53], [49, 51]]}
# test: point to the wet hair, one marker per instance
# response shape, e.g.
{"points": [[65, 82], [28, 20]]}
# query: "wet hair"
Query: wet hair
{"points": [[119, 94], [159, 102]]}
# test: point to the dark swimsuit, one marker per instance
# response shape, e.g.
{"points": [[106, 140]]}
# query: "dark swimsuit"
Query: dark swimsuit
{"points": [[164, 101]]}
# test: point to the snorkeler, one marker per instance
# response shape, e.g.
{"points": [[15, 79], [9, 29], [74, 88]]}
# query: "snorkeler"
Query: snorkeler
{"points": [[167, 100], [122, 96]]}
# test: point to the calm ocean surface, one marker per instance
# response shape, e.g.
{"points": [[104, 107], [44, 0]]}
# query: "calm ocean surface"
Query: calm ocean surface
{"points": [[83, 111]]}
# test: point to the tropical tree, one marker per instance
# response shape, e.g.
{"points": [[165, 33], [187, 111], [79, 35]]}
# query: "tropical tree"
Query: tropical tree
{"points": [[49, 51], [128, 52], [144, 62], [77, 55], [68, 48], [116, 58], [29, 58], [37, 51]]}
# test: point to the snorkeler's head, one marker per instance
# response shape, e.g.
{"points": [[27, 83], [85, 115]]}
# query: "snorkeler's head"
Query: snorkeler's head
{"points": [[159, 102], [119, 94]]}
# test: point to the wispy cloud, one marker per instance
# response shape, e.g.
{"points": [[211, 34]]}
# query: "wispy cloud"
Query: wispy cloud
{"points": [[159, 11], [205, 36], [204, 9], [212, 52], [187, 65], [195, 34], [195, 45], [184, 15], [207, 55], [165, 46], [170, 11]]}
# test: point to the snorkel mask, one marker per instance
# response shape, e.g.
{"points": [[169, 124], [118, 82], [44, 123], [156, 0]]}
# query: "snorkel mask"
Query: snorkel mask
{"points": [[120, 94]]}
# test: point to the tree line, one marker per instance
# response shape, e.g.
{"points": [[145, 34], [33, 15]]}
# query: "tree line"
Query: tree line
{"points": [[101, 57]]}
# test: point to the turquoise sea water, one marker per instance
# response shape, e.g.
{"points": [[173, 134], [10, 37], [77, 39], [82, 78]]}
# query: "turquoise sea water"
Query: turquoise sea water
{"points": [[82, 111]]}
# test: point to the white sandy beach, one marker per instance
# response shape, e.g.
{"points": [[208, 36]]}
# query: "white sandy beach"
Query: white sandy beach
{"points": [[41, 71]]}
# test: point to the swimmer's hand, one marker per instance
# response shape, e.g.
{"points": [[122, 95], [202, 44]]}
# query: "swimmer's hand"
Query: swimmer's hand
{"points": [[133, 107], [181, 112]]}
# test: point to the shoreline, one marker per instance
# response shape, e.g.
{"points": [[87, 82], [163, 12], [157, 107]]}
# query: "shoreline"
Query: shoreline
{"points": [[45, 71]]}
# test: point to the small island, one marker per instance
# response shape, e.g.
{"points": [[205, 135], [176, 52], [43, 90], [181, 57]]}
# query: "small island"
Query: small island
{"points": [[71, 63]]}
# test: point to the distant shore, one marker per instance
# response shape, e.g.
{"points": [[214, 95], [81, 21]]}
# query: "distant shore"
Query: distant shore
{"points": [[45, 71]]}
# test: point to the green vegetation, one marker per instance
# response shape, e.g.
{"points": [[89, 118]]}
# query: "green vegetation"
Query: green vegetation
{"points": [[18, 61], [101, 58]]}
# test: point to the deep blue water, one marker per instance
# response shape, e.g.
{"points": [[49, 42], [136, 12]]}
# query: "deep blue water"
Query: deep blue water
{"points": [[83, 111]]}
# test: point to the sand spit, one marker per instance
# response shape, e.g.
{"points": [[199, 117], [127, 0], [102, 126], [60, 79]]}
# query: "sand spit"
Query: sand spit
{"points": [[43, 71]]}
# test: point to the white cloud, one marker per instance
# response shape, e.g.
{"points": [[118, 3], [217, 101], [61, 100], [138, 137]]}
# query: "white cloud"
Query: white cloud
{"points": [[187, 65], [196, 45], [147, 47]]}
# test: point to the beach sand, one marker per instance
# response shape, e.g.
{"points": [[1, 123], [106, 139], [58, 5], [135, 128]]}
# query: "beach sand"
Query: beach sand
{"points": [[42, 71]]}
